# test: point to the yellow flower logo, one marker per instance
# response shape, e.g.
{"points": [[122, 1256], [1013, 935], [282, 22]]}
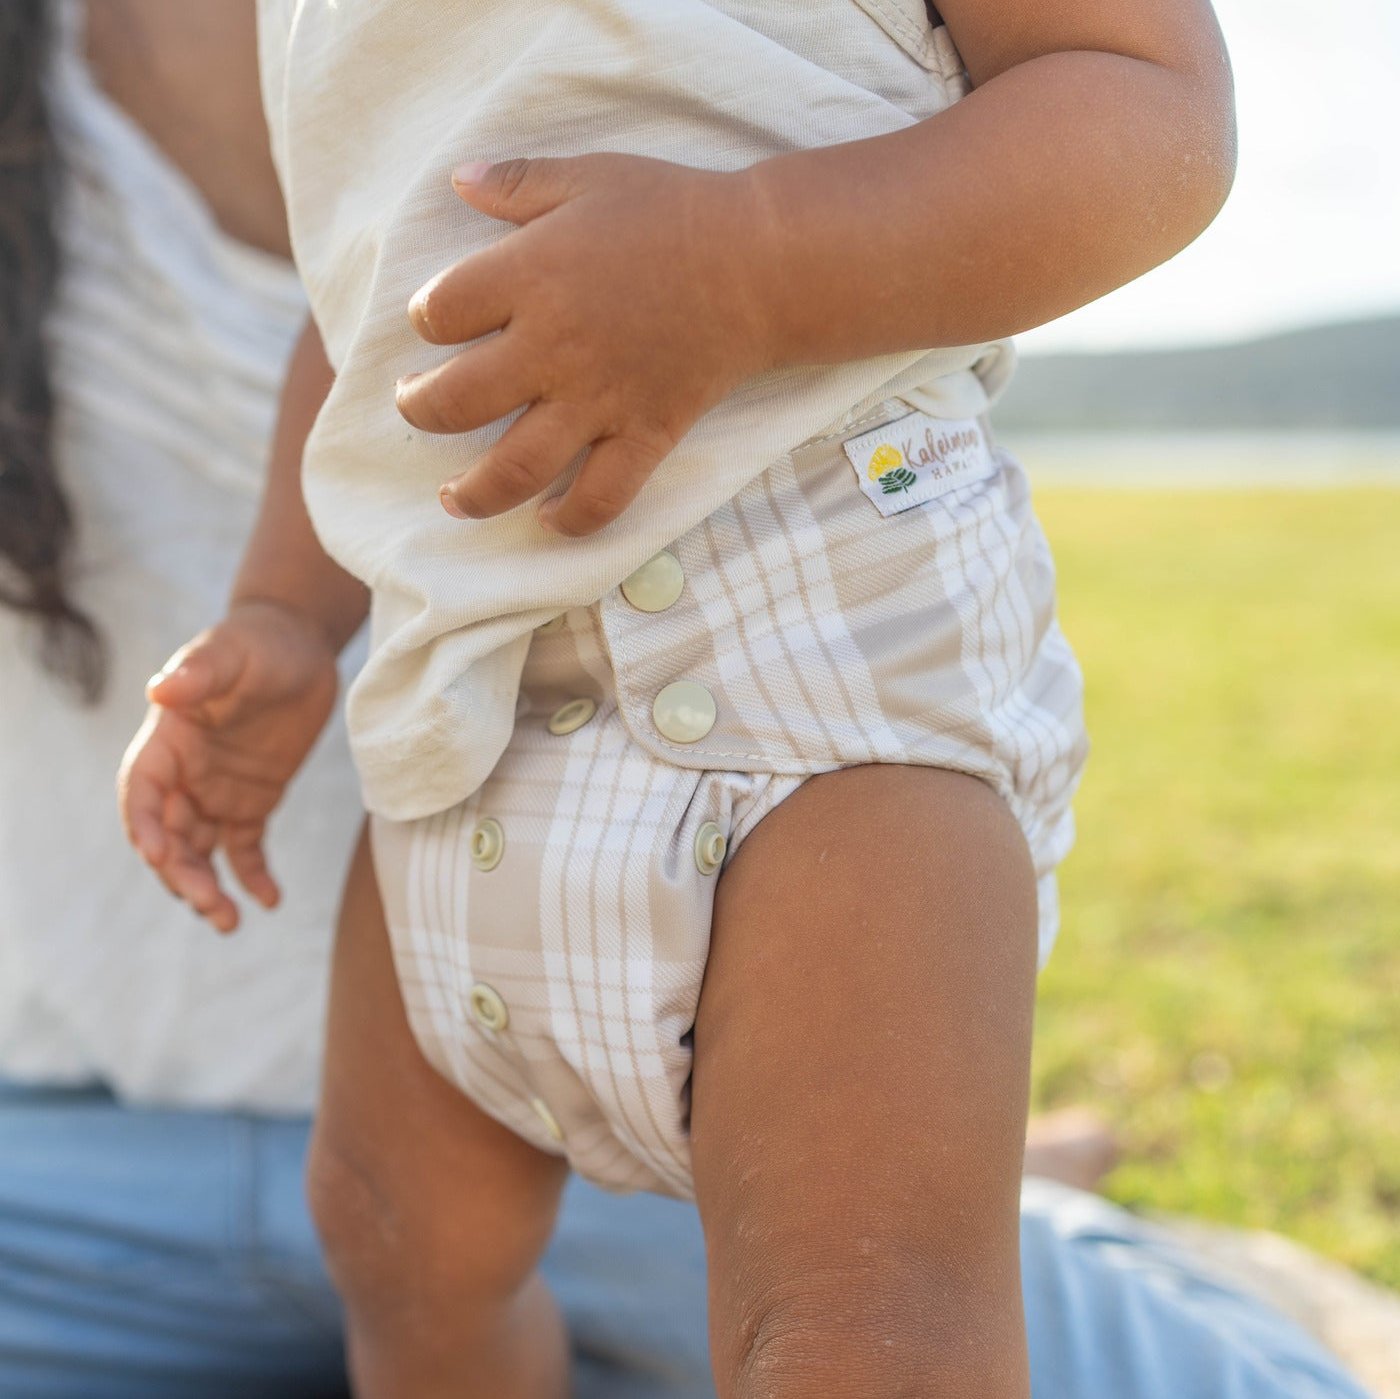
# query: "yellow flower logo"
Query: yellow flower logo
{"points": [[883, 459]]}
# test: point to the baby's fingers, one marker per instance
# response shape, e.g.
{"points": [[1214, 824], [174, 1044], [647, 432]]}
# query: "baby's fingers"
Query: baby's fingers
{"points": [[471, 299], [243, 848], [188, 870], [147, 772], [484, 382], [535, 450], [141, 800], [607, 483], [204, 669]]}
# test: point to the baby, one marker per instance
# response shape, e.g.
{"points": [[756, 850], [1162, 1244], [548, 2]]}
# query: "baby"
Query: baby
{"points": [[717, 732]]}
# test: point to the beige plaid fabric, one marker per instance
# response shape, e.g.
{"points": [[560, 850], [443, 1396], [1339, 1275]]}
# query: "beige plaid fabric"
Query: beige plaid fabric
{"points": [[550, 932]]}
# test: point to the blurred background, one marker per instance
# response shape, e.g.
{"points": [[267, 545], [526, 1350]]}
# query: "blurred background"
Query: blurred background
{"points": [[1216, 450]]}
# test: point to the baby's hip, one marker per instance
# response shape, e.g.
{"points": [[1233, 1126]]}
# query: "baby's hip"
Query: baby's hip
{"points": [[809, 624]]}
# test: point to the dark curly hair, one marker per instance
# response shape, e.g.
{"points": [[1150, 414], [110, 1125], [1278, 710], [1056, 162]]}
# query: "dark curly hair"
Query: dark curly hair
{"points": [[36, 523]]}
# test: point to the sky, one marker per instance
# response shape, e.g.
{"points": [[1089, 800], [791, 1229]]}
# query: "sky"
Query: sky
{"points": [[1311, 232]]}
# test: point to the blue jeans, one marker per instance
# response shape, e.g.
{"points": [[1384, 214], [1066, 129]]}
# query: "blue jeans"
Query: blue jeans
{"points": [[150, 1255]]}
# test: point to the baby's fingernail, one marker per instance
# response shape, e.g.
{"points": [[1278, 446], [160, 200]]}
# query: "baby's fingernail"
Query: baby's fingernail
{"points": [[404, 380], [470, 172], [545, 515], [449, 503]]}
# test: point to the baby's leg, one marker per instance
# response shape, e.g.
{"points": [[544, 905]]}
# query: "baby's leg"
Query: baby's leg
{"points": [[860, 1084], [433, 1215]]}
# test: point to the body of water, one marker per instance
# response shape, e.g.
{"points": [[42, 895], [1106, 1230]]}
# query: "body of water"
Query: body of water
{"points": [[1196, 460]]}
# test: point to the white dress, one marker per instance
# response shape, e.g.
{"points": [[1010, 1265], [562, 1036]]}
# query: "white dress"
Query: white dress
{"points": [[168, 342]]}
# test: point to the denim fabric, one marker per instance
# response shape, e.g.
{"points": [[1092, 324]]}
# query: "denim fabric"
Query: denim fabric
{"points": [[151, 1255], [1116, 1309]]}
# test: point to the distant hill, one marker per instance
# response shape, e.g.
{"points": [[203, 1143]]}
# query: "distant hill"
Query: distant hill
{"points": [[1333, 377]]}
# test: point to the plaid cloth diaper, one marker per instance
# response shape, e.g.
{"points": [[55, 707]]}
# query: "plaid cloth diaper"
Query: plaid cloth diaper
{"points": [[882, 594]]}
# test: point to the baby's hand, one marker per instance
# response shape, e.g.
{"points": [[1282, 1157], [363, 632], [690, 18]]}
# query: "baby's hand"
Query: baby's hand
{"points": [[627, 307], [233, 714]]}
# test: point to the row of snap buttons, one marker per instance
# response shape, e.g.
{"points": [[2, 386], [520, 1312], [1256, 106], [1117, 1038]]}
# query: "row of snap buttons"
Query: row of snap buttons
{"points": [[488, 845], [491, 1014], [683, 711]]}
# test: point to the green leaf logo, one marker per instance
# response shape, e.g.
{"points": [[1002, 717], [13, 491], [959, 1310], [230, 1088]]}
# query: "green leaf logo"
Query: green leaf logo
{"points": [[897, 480]]}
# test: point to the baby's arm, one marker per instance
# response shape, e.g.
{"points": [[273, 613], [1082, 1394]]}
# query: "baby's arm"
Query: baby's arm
{"points": [[235, 712], [283, 563], [1098, 141]]}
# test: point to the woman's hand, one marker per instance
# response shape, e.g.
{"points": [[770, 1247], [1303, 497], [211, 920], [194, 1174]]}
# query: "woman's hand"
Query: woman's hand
{"points": [[628, 305], [233, 715]]}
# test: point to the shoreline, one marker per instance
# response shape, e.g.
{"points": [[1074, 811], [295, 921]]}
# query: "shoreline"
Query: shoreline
{"points": [[1208, 460]]}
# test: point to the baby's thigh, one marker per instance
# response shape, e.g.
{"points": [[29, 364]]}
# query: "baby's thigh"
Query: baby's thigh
{"points": [[417, 1193], [861, 1067]]}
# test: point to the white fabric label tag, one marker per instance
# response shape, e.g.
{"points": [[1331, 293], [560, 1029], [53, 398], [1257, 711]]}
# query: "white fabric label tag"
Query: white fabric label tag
{"points": [[917, 458]]}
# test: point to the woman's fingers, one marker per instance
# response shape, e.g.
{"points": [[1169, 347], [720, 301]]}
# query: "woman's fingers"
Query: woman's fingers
{"points": [[607, 483], [535, 450], [484, 382]]}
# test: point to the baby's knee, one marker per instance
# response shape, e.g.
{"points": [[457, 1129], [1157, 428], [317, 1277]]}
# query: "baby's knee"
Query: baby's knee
{"points": [[399, 1242], [896, 1333]]}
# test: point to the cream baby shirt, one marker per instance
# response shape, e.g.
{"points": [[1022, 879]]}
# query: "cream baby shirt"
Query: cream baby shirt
{"points": [[371, 103]]}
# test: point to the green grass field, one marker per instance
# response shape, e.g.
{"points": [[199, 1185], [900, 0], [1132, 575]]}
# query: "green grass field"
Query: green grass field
{"points": [[1226, 987]]}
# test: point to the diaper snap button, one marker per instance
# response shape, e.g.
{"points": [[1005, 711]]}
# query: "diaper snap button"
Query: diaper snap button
{"points": [[710, 846], [656, 584], [571, 716], [553, 625], [684, 711], [488, 844], [488, 1007], [551, 1125]]}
